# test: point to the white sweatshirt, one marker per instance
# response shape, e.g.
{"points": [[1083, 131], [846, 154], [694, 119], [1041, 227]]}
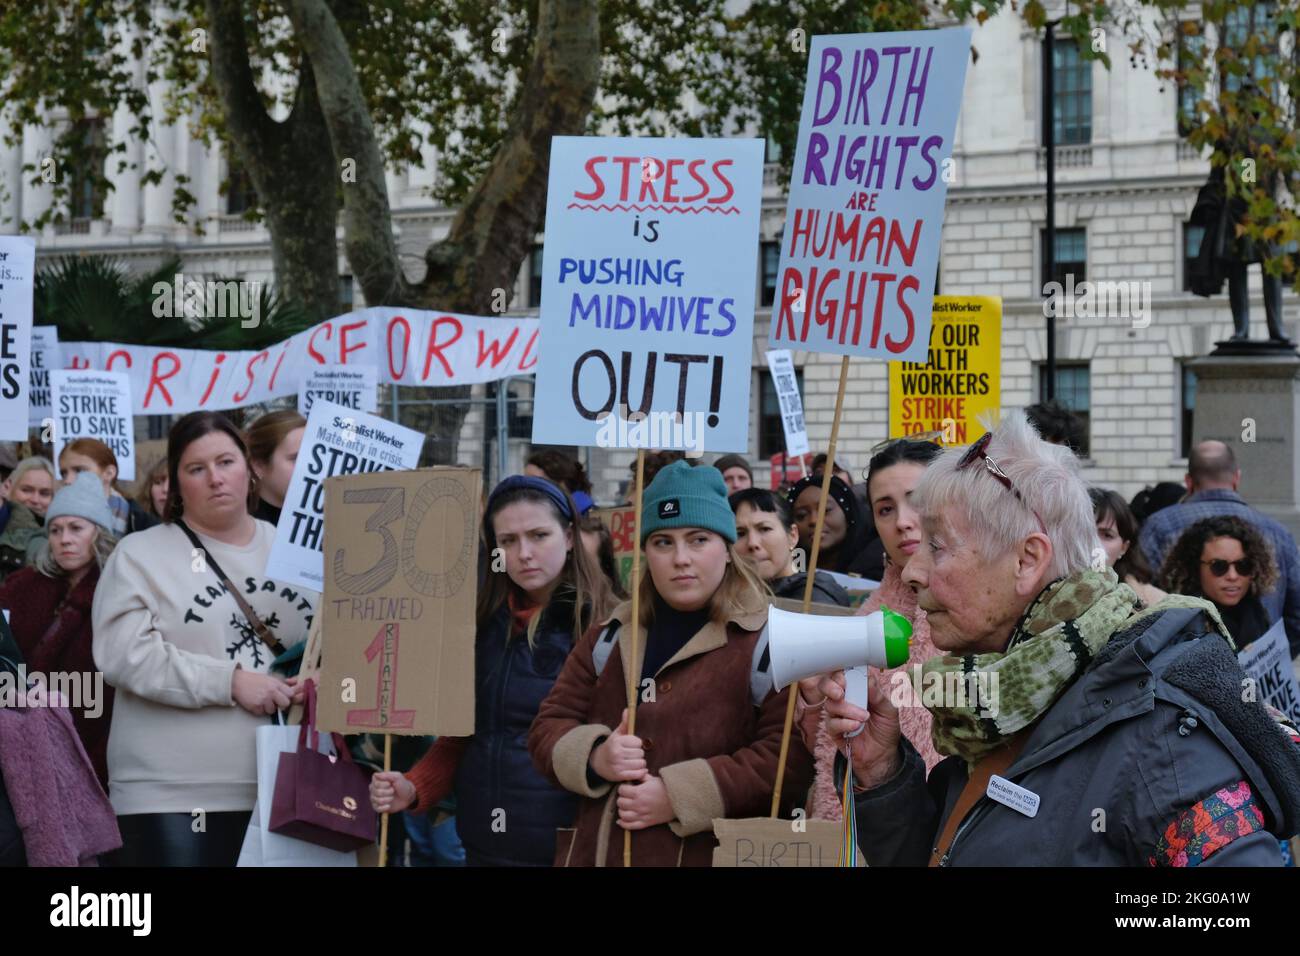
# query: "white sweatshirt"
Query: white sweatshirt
{"points": [[168, 636]]}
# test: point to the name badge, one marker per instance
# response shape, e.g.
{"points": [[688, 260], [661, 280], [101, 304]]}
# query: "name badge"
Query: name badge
{"points": [[1012, 795]]}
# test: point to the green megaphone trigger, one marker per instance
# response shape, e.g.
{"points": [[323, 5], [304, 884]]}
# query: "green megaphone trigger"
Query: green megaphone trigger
{"points": [[898, 637]]}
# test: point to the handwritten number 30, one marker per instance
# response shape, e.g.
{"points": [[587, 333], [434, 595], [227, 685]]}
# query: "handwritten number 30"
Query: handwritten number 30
{"points": [[391, 504]]}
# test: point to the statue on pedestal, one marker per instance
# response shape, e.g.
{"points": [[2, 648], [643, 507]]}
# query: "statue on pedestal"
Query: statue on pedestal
{"points": [[1224, 256]]}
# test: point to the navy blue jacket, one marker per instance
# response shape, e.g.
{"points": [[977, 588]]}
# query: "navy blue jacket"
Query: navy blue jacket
{"points": [[506, 812]]}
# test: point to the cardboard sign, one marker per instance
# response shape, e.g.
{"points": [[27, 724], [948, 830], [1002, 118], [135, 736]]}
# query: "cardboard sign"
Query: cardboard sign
{"points": [[356, 388], [867, 190], [409, 347], [398, 611], [17, 274], [95, 405], [45, 357], [621, 523], [961, 378], [859, 588], [765, 842], [648, 293], [1268, 662], [337, 441], [781, 364]]}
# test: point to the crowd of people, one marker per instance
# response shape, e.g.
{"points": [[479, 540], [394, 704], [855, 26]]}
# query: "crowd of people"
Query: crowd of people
{"points": [[1104, 635]]}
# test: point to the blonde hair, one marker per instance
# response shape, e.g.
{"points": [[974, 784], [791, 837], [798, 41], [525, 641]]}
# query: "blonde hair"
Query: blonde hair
{"points": [[740, 593], [101, 548]]}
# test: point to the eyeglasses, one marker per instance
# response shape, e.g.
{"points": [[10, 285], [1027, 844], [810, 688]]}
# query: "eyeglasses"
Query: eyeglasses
{"points": [[977, 452], [1219, 567]]}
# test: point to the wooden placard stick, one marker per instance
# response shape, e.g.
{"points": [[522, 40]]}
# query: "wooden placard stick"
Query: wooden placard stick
{"points": [[383, 820], [812, 571], [633, 681]]}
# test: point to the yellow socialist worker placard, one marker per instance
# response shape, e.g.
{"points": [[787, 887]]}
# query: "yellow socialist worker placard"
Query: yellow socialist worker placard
{"points": [[961, 377]]}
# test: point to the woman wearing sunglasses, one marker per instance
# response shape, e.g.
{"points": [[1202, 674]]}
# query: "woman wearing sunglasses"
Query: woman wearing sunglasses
{"points": [[1225, 560]]}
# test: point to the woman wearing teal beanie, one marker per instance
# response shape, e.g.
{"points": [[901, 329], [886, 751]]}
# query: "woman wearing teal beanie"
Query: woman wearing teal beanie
{"points": [[708, 720]]}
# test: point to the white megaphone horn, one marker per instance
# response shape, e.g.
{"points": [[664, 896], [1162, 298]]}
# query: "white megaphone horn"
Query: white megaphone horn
{"points": [[805, 645]]}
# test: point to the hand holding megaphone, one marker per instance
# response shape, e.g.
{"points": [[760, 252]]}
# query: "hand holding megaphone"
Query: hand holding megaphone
{"points": [[873, 754]]}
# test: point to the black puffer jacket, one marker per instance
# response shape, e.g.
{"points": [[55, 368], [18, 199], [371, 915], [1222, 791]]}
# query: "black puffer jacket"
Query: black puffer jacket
{"points": [[506, 812], [826, 590], [1154, 736]]}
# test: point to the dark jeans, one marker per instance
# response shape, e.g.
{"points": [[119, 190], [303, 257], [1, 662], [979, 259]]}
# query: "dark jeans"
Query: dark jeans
{"points": [[168, 839]]}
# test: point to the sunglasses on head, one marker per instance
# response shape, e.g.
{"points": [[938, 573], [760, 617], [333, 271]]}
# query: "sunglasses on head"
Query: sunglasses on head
{"points": [[1219, 567], [977, 452]]}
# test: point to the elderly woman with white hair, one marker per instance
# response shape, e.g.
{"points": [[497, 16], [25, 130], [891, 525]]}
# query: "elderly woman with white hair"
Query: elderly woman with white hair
{"points": [[1081, 728]]}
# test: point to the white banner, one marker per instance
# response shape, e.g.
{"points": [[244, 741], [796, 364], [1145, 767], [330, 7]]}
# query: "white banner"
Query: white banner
{"points": [[338, 441], [95, 405], [17, 272], [781, 364], [408, 347], [46, 357]]}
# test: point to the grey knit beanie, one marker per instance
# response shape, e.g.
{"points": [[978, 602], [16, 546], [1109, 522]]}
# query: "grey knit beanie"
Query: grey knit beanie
{"points": [[84, 498]]}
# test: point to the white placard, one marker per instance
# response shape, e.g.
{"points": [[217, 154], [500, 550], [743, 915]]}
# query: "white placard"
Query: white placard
{"points": [[781, 364], [338, 441], [17, 273], [46, 356], [90, 404], [1268, 662], [352, 386]]}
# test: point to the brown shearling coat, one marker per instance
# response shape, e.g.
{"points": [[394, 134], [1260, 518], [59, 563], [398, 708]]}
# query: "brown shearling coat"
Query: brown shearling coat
{"points": [[714, 750]]}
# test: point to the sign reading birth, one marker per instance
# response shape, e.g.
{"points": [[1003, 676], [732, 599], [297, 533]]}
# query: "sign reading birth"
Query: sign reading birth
{"points": [[397, 617]]}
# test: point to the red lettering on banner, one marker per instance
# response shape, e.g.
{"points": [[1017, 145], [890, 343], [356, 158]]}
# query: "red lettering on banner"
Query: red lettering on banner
{"points": [[280, 361], [156, 379], [344, 348], [525, 365], [108, 366], [248, 371], [216, 370], [311, 341], [436, 346], [498, 353], [78, 362], [406, 345], [590, 167]]}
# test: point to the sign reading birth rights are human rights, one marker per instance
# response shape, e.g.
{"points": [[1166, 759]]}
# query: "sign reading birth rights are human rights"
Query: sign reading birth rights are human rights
{"points": [[865, 211], [648, 286]]}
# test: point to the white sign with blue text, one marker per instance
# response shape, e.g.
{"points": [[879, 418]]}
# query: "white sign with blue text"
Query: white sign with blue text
{"points": [[648, 287]]}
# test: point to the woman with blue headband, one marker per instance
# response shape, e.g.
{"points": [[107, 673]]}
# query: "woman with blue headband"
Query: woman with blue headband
{"points": [[540, 595]]}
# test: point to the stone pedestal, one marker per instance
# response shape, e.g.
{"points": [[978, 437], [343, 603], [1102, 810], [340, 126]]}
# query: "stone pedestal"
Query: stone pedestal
{"points": [[1254, 393]]}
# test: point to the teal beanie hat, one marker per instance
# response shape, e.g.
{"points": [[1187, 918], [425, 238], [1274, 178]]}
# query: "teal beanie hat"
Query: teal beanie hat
{"points": [[686, 497]]}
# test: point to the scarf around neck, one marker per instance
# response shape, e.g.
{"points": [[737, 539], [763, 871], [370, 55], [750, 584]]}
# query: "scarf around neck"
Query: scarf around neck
{"points": [[1050, 647]]}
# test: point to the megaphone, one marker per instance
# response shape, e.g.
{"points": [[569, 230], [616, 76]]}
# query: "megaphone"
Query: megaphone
{"points": [[804, 645]]}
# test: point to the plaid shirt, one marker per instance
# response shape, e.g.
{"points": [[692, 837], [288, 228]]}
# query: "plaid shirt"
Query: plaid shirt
{"points": [[1163, 529]]}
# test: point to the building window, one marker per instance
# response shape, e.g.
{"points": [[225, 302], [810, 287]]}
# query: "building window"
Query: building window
{"points": [[1072, 104], [1187, 406], [771, 151], [1242, 24], [771, 434], [1191, 51], [535, 277], [1071, 256], [241, 197], [1074, 391], [1192, 236], [771, 256], [345, 294], [86, 183], [157, 426]]}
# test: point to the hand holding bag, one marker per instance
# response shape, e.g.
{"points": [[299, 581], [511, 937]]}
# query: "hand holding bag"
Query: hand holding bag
{"points": [[322, 799]]}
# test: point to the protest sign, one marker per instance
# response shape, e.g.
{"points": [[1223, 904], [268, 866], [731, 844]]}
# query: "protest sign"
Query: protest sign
{"points": [[859, 589], [409, 347], [648, 293], [45, 357], [961, 378], [398, 609], [17, 274], [767, 842], [783, 468], [94, 405], [621, 523], [781, 364], [337, 441], [1267, 661], [871, 172], [356, 388]]}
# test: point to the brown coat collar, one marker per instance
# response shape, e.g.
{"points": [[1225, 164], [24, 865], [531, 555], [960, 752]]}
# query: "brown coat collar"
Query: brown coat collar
{"points": [[708, 638]]}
